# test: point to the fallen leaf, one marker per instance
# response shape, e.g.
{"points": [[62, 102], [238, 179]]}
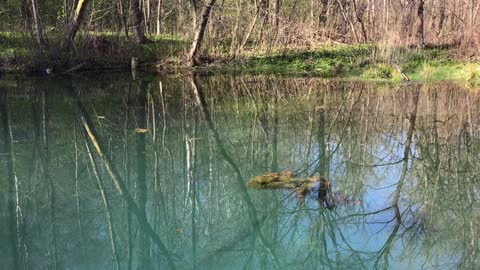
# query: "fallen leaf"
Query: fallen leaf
{"points": [[141, 130]]}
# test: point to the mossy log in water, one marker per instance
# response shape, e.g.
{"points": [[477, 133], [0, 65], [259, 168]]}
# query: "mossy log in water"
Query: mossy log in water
{"points": [[283, 180], [288, 180]]}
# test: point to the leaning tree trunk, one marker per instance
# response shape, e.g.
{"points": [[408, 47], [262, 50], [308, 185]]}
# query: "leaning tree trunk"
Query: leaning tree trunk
{"points": [[74, 23], [197, 42], [138, 33]]}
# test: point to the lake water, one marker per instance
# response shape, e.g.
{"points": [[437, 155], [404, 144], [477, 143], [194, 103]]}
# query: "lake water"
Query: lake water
{"points": [[111, 172]]}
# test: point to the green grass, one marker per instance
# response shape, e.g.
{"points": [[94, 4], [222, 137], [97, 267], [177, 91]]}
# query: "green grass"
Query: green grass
{"points": [[328, 61], [365, 62], [14, 46], [97, 50]]}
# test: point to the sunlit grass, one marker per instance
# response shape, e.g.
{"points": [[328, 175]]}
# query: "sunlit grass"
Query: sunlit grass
{"points": [[364, 62]]}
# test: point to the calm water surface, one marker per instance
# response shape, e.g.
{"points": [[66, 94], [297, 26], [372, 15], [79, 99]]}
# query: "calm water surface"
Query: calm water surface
{"points": [[110, 172]]}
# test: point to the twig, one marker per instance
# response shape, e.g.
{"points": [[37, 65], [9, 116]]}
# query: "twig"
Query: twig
{"points": [[74, 68]]}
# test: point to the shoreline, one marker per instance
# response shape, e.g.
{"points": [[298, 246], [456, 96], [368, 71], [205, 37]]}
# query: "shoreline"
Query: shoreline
{"points": [[165, 56]]}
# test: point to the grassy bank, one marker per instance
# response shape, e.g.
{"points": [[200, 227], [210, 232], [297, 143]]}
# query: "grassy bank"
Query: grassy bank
{"points": [[18, 52], [112, 51], [367, 62]]}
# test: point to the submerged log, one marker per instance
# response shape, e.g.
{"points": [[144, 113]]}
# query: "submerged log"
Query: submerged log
{"points": [[319, 187], [288, 180], [283, 180]]}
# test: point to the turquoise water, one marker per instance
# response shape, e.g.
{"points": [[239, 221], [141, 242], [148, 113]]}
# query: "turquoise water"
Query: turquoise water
{"points": [[111, 172]]}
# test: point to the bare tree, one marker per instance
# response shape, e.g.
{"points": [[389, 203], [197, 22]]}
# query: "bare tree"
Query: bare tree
{"points": [[195, 10], [74, 23], [159, 16], [197, 42], [138, 34], [421, 24], [358, 15], [37, 25], [277, 15]]}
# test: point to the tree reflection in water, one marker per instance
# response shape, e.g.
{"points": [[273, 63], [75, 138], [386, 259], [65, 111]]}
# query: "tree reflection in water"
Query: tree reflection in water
{"points": [[115, 173]]}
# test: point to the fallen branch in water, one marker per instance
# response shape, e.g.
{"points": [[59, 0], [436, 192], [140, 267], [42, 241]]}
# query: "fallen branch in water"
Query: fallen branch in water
{"points": [[74, 68]]}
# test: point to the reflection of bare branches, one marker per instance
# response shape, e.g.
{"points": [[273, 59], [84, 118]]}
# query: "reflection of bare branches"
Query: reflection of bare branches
{"points": [[365, 214], [437, 202], [13, 206], [385, 249], [251, 209], [120, 184], [375, 165], [406, 152], [106, 203]]}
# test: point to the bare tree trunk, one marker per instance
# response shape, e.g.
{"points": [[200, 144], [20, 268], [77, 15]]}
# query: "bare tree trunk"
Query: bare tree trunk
{"points": [[263, 13], [360, 20], [371, 17], [179, 20], [197, 42], [421, 23], [124, 18], [159, 16], [345, 17], [442, 18], [138, 33], [195, 10], [323, 13], [74, 23], [249, 33], [25, 13], [146, 15], [235, 36], [263, 9], [277, 15], [37, 25], [407, 19]]}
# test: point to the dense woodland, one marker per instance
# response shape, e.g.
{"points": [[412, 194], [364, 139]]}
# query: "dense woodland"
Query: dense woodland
{"points": [[232, 26]]}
